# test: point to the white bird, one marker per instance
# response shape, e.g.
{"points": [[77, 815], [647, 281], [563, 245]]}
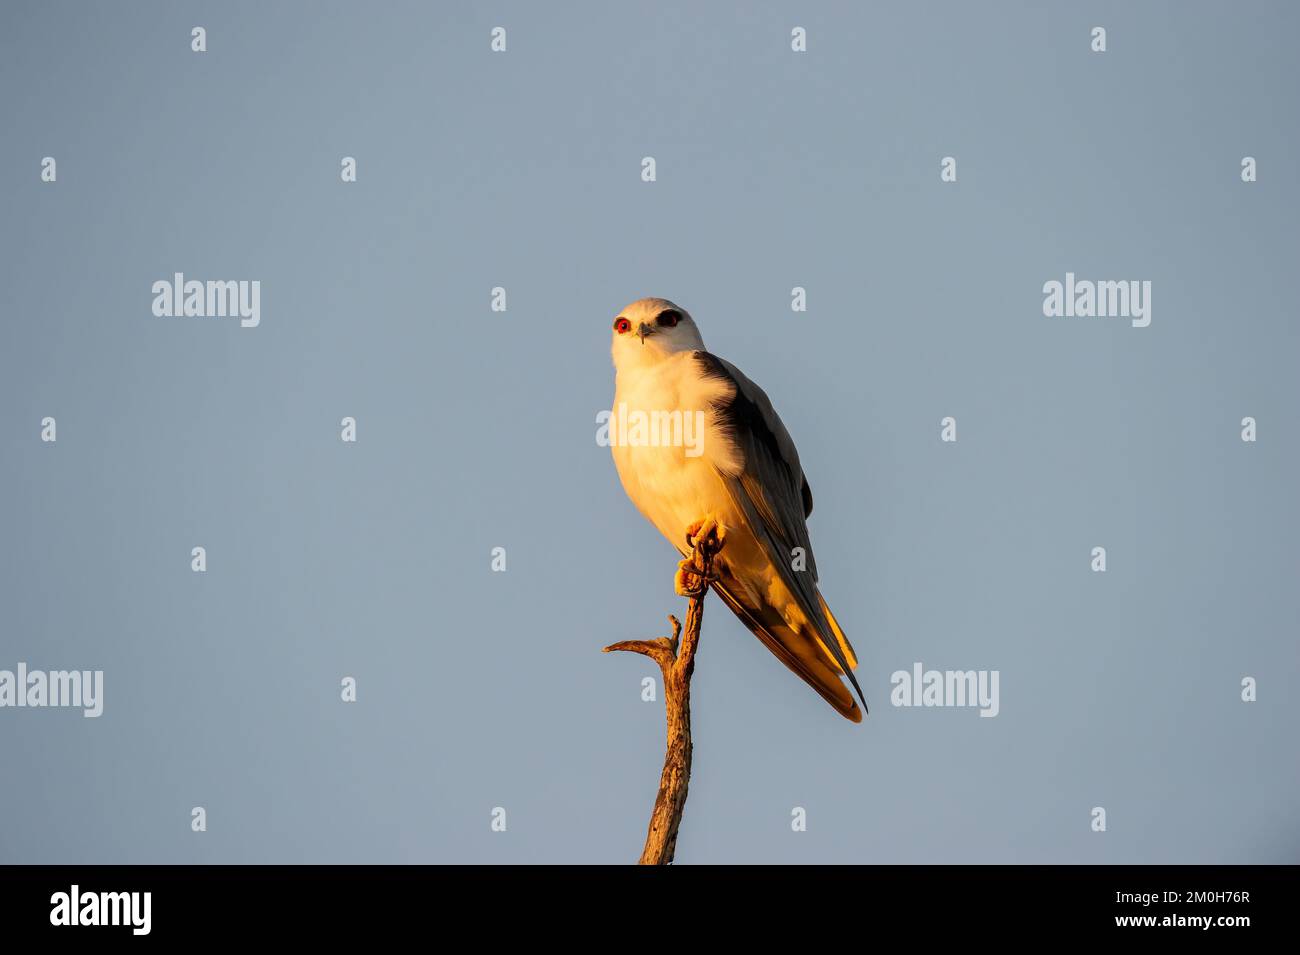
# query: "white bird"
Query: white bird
{"points": [[745, 476]]}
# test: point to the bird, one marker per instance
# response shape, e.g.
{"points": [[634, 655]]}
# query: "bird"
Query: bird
{"points": [[744, 478]]}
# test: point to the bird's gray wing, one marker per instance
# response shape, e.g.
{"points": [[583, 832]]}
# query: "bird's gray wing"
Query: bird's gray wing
{"points": [[773, 493]]}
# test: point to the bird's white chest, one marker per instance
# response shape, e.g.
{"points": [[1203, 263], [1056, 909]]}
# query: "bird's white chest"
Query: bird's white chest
{"points": [[667, 446]]}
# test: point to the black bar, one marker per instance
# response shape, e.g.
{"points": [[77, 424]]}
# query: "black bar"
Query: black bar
{"points": [[368, 903]]}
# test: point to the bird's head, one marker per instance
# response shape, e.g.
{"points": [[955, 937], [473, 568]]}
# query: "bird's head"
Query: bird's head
{"points": [[652, 329]]}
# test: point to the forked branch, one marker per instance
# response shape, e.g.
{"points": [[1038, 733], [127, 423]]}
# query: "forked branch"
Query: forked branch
{"points": [[676, 658]]}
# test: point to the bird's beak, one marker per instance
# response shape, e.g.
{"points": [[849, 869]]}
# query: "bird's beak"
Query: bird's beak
{"points": [[643, 330]]}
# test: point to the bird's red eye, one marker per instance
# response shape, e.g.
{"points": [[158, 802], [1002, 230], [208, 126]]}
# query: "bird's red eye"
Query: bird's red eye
{"points": [[669, 318], [622, 326]]}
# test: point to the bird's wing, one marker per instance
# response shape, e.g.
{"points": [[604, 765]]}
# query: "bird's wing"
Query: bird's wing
{"points": [[774, 496]]}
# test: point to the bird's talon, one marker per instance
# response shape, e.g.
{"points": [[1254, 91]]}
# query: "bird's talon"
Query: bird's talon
{"points": [[701, 530], [688, 581]]}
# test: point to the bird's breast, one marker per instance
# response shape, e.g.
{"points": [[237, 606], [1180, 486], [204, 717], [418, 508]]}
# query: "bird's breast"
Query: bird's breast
{"points": [[667, 445]]}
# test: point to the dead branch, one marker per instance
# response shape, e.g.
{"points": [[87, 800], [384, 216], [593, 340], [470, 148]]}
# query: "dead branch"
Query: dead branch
{"points": [[676, 658]]}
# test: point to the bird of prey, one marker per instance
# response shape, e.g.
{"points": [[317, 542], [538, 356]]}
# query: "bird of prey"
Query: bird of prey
{"points": [[744, 475]]}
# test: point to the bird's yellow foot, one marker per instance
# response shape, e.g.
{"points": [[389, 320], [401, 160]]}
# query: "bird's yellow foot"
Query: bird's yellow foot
{"points": [[701, 530], [688, 582]]}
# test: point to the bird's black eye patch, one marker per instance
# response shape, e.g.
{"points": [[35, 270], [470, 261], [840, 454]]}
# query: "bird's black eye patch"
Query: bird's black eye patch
{"points": [[668, 318]]}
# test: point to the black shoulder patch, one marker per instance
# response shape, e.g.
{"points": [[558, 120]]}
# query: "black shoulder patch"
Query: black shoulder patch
{"points": [[711, 365], [741, 416]]}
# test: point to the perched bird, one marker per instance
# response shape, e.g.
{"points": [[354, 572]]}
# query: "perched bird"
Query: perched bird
{"points": [[744, 475]]}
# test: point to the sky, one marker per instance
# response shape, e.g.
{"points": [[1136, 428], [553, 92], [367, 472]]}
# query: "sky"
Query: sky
{"points": [[480, 690]]}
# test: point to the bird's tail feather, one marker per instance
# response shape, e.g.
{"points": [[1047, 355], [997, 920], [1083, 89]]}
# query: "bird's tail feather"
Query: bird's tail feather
{"points": [[842, 640], [817, 669], [845, 648]]}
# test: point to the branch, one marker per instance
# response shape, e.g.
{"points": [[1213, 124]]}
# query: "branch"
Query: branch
{"points": [[676, 658]]}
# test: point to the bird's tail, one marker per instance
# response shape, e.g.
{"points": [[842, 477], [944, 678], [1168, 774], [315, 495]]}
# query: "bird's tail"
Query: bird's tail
{"points": [[845, 647], [808, 659], [842, 640]]}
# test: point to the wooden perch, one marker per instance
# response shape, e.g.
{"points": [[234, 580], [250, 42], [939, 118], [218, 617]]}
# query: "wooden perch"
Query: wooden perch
{"points": [[676, 658]]}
